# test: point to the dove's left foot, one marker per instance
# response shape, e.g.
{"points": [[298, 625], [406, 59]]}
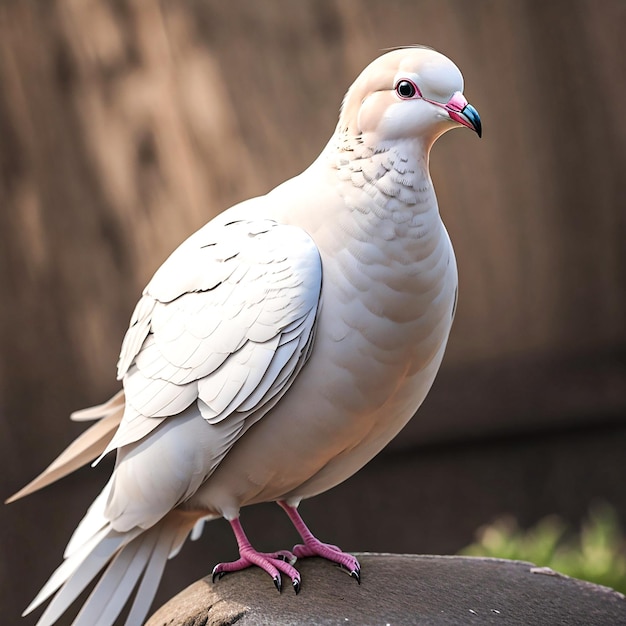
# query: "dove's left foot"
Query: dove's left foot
{"points": [[274, 563], [314, 547]]}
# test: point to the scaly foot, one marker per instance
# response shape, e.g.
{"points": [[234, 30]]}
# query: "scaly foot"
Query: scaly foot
{"points": [[314, 547], [273, 563]]}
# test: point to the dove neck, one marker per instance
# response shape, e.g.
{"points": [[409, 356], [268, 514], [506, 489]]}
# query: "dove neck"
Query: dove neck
{"points": [[385, 177], [378, 192], [386, 194], [398, 169]]}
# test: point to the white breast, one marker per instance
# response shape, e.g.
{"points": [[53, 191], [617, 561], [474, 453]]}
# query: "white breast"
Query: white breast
{"points": [[389, 283]]}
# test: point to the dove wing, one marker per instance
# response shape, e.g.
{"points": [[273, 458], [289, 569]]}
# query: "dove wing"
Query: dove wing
{"points": [[225, 323]]}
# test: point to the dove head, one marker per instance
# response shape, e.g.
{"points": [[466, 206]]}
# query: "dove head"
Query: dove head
{"points": [[409, 93]]}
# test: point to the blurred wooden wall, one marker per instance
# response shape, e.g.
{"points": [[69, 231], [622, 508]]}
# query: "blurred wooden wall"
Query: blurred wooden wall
{"points": [[124, 126]]}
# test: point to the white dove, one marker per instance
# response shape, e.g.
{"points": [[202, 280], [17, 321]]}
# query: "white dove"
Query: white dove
{"points": [[276, 351]]}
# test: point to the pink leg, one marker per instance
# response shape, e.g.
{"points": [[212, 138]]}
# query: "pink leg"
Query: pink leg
{"points": [[314, 547], [273, 563]]}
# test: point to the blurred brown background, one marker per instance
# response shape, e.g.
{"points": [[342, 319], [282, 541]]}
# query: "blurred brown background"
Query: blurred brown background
{"points": [[124, 126]]}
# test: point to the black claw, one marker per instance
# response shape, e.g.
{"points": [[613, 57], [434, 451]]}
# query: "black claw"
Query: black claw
{"points": [[296, 585], [356, 574], [278, 583], [217, 576]]}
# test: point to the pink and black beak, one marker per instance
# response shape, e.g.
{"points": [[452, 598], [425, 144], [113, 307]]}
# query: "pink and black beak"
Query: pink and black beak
{"points": [[461, 111]]}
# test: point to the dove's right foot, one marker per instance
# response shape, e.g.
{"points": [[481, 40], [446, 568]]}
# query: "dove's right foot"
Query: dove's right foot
{"points": [[273, 562], [314, 547]]}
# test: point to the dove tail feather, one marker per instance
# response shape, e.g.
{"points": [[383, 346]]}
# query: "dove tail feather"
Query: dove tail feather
{"points": [[117, 583], [85, 448], [164, 546], [92, 523], [129, 560], [101, 410]]}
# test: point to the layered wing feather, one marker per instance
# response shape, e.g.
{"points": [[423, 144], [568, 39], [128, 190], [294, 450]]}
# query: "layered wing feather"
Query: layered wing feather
{"points": [[223, 323]]}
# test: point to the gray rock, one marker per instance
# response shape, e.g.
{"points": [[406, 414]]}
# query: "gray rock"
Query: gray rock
{"points": [[399, 589]]}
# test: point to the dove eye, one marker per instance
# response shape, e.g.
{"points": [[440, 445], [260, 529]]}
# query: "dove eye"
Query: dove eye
{"points": [[406, 89]]}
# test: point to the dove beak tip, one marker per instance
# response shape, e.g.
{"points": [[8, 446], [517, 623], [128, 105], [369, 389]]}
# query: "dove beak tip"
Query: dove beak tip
{"points": [[471, 119]]}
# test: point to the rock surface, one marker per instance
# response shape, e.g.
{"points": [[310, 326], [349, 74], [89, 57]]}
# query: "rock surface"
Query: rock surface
{"points": [[399, 589]]}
